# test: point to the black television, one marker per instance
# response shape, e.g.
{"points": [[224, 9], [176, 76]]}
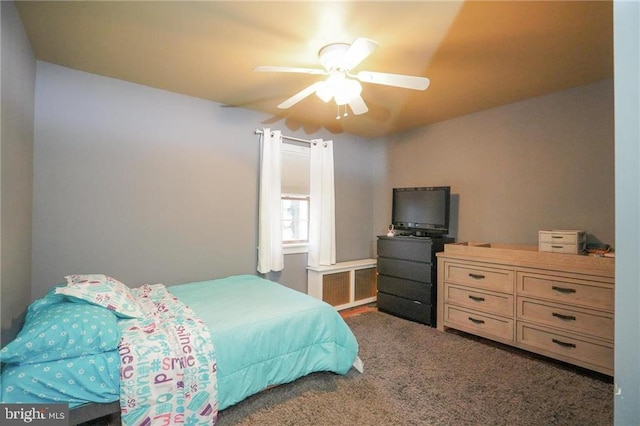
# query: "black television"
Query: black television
{"points": [[421, 211]]}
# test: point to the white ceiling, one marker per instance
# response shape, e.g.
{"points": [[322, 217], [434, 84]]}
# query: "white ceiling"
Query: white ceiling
{"points": [[477, 54]]}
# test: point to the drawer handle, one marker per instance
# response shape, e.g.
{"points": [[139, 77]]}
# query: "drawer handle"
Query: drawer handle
{"points": [[563, 289], [476, 321], [557, 236], [564, 317], [476, 298], [558, 247], [477, 276], [565, 344]]}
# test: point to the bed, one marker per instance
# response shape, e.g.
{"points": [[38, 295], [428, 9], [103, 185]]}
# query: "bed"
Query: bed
{"points": [[181, 352]]}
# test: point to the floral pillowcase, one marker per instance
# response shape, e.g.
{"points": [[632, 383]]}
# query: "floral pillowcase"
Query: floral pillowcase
{"points": [[63, 330]]}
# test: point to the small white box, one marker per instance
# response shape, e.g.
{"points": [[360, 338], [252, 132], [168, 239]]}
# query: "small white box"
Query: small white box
{"points": [[562, 241]]}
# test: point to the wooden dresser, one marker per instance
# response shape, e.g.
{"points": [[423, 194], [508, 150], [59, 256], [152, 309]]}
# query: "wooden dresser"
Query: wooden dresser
{"points": [[553, 304]]}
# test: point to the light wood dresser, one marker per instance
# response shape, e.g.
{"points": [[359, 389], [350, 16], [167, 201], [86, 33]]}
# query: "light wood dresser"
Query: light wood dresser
{"points": [[553, 304]]}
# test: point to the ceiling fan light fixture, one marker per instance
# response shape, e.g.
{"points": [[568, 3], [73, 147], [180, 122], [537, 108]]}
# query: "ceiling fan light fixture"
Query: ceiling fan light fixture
{"points": [[343, 89], [349, 90]]}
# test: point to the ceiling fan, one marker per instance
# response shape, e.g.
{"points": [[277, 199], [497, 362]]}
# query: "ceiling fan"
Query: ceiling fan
{"points": [[338, 59]]}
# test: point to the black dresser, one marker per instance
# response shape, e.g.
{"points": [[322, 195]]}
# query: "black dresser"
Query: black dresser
{"points": [[407, 278]]}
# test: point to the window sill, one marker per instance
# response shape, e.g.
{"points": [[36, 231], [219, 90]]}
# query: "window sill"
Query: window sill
{"points": [[295, 248]]}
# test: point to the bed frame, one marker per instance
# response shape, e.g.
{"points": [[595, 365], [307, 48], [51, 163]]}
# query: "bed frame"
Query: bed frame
{"points": [[92, 411]]}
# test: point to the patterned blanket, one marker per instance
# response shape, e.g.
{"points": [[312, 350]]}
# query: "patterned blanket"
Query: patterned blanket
{"points": [[168, 364]]}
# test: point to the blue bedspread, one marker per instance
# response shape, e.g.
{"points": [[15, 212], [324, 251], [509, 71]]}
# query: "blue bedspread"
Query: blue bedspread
{"points": [[267, 334]]}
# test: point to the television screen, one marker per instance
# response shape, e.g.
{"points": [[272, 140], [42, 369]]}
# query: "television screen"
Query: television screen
{"points": [[421, 209]]}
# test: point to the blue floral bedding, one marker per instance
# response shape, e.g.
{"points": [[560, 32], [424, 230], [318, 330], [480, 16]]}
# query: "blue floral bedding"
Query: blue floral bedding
{"points": [[76, 381], [65, 352]]}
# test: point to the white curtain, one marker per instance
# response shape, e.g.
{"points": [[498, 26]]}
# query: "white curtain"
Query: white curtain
{"points": [[270, 256], [322, 230]]}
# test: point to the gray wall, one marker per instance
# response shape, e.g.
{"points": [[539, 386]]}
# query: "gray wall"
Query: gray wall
{"points": [[542, 163], [627, 92], [16, 167], [151, 186]]}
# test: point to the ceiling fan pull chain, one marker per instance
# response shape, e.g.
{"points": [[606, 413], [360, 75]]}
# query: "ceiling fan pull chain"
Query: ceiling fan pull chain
{"points": [[338, 114]]}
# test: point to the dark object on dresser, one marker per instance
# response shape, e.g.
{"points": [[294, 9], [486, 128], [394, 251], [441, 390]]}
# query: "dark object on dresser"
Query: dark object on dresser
{"points": [[407, 278]]}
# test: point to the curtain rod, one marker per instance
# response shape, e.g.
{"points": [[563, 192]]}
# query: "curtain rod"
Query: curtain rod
{"points": [[291, 138]]}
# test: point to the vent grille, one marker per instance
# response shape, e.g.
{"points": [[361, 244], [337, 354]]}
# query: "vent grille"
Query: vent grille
{"points": [[336, 288], [366, 283]]}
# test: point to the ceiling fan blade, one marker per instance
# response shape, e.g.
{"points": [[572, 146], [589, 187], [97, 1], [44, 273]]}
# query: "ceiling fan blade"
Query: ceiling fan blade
{"points": [[309, 90], [269, 68], [397, 80], [357, 52], [358, 106]]}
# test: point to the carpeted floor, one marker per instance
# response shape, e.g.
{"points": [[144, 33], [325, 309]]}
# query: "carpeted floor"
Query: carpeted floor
{"points": [[416, 375]]}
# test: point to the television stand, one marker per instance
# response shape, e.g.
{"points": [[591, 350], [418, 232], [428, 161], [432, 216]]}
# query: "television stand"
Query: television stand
{"points": [[407, 276]]}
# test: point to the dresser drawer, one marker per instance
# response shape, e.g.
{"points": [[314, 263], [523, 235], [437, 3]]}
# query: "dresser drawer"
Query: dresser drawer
{"points": [[494, 303], [598, 324], [567, 346], [415, 271], [479, 277], [410, 309], [419, 250], [560, 248], [566, 290], [478, 323], [562, 237], [408, 289]]}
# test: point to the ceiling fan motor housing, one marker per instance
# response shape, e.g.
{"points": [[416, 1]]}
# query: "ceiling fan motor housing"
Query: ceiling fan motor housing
{"points": [[331, 56]]}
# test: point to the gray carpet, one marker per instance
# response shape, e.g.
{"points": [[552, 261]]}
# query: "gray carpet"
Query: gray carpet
{"points": [[416, 375]]}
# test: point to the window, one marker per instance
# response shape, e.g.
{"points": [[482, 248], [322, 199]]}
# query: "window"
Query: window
{"points": [[295, 198], [295, 219]]}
